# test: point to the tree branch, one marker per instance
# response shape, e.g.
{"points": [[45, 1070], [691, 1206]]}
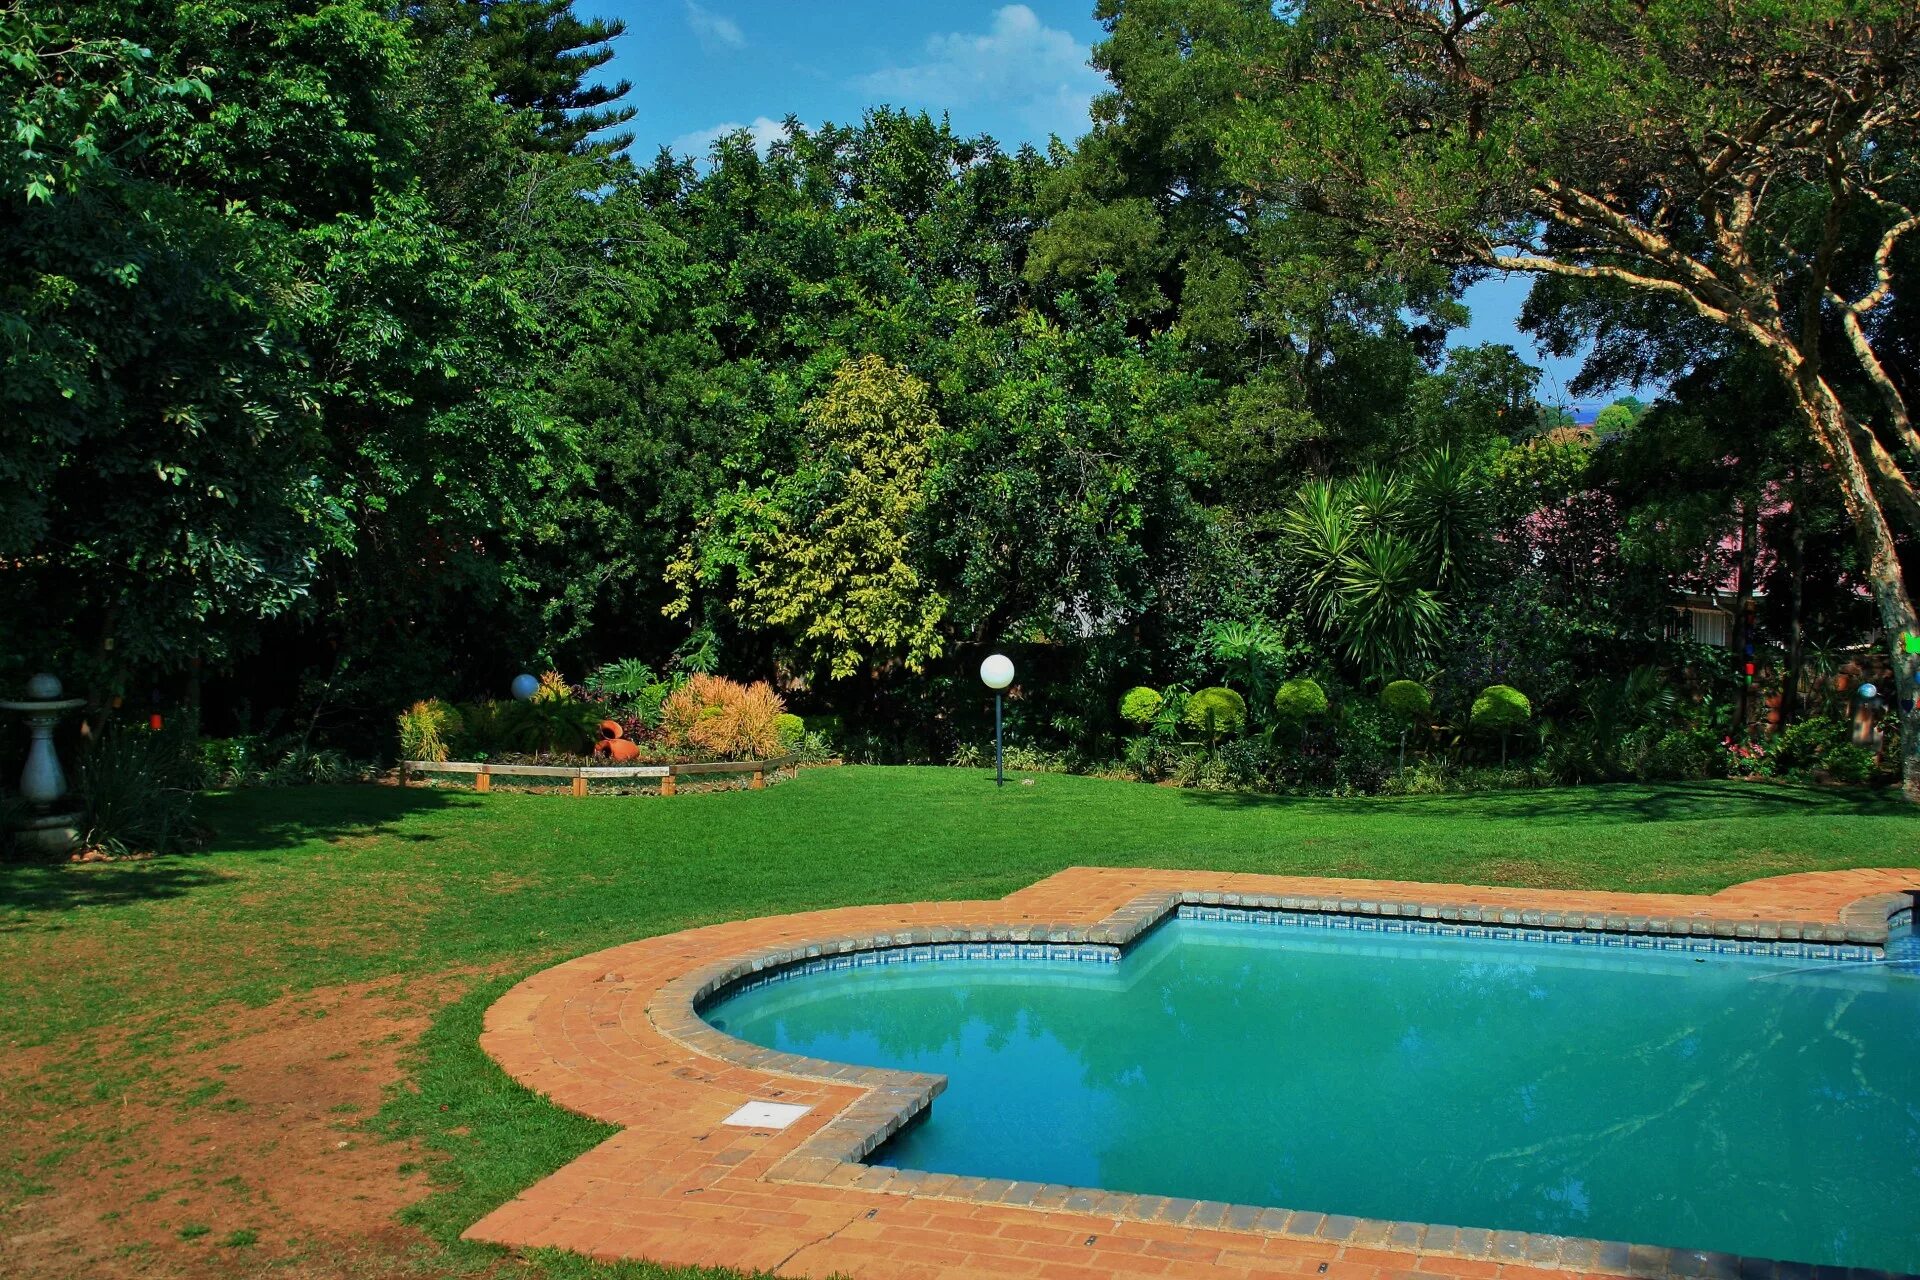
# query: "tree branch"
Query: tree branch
{"points": [[1883, 262], [1577, 209], [1890, 396], [1537, 265]]}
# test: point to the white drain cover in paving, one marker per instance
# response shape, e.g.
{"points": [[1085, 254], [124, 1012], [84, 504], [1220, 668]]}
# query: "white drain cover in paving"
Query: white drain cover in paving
{"points": [[767, 1115]]}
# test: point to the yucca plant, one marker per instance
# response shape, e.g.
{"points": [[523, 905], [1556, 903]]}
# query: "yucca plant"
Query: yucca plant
{"points": [[1317, 530], [1388, 618], [1448, 512], [1377, 499], [552, 726], [131, 799], [1253, 652]]}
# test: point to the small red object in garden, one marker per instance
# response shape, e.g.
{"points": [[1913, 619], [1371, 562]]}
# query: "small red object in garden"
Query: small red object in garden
{"points": [[610, 729], [618, 750]]}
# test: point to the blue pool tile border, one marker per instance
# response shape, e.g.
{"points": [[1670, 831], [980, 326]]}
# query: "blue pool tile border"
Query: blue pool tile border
{"points": [[1843, 953]]}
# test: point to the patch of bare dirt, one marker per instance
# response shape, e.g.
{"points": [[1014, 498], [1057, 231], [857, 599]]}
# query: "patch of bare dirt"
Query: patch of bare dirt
{"points": [[239, 1154]]}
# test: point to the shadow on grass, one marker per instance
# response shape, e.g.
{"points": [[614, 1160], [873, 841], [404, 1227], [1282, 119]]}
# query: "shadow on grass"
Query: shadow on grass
{"points": [[262, 819], [1610, 802], [245, 822]]}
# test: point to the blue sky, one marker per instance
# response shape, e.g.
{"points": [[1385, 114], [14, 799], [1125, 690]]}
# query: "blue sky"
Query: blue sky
{"points": [[1016, 71]]}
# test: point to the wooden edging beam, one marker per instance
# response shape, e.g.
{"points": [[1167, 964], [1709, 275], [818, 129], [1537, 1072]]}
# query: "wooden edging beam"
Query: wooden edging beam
{"points": [[579, 775]]}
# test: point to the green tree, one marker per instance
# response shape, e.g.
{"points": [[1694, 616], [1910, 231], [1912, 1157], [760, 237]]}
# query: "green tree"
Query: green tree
{"points": [[1500, 709], [1748, 163], [540, 55], [1409, 704], [163, 492], [829, 557], [1618, 417]]}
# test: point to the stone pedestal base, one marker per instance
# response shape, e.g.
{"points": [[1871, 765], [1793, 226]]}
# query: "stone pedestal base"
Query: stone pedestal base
{"points": [[49, 835]]}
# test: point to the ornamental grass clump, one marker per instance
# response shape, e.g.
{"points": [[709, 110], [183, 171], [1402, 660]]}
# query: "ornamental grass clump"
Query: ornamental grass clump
{"points": [[130, 794], [427, 728], [724, 718]]}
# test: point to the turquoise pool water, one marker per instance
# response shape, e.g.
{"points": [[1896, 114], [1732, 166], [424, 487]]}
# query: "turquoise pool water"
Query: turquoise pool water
{"points": [[1750, 1106]]}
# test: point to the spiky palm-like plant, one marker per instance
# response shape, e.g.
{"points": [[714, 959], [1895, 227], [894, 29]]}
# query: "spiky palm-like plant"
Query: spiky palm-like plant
{"points": [[1253, 652], [1388, 618], [1317, 530], [1447, 513]]}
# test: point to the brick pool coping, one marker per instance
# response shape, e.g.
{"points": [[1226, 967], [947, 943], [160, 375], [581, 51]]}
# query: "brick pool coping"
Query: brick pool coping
{"points": [[617, 1035]]}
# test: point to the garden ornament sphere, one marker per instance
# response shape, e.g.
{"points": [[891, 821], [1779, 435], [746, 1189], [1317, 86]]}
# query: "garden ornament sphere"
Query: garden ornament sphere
{"points": [[997, 671], [43, 687], [525, 686], [1869, 691]]}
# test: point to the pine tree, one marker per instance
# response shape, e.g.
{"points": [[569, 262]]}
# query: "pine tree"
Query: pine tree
{"points": [[540, 55]]}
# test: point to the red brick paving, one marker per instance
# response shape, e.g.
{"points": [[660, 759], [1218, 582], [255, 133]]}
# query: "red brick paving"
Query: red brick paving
{"points": [[678, 1187]]}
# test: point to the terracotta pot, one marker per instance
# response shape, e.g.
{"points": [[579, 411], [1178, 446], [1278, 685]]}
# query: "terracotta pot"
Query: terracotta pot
{"points": [[618, 750], [610, 729]]}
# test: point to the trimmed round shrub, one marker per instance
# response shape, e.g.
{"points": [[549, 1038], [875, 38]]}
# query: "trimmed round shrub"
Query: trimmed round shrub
{"points": [[790, 728], [1216, 710], [1141, 705], [1299, 700], [1499, 708], [1407, 700]]}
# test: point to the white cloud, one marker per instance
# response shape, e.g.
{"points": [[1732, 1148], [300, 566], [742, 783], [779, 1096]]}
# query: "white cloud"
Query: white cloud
{"points": [[1037, 71], [714, 30], [696, 144]]}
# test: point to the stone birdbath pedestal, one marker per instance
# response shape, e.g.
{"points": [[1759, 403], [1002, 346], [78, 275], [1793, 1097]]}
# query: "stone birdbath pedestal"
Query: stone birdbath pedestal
{"points": [[47, 828]]}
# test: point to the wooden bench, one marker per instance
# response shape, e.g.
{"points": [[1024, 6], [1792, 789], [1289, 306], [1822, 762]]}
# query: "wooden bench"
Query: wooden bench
{"points": [[579, 775]]}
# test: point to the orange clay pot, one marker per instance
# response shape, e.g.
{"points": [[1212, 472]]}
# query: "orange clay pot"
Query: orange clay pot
{"points": [[618, 750], [610, 729]]}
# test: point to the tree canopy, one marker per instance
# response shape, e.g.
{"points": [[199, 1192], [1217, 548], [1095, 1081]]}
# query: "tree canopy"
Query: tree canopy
{"points": [[353, 357]]}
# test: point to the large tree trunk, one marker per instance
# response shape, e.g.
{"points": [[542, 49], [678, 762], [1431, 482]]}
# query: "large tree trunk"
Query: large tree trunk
{"points": [[1796, 626], [1742, 630], [1827, 419]]}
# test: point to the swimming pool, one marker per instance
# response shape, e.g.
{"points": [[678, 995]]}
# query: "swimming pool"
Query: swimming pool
{"points": [[1765, 1107]]}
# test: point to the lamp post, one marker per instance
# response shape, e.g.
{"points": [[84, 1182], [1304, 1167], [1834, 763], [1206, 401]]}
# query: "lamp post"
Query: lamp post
{"points": [[997, 673]]}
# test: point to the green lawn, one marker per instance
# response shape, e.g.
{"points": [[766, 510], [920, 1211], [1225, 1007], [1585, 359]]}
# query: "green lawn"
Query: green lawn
{"points": [[307, 888]]}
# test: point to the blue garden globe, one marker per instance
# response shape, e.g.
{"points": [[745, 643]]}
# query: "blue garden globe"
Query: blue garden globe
{"points": [[525, 686]]}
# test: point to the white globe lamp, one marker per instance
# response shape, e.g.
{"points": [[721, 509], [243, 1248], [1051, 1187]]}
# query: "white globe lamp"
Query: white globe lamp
{"points": [[997, 673]]}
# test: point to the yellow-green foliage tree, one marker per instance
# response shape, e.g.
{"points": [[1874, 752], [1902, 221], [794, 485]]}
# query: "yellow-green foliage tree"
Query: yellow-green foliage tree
{"points": [[829, 558]]}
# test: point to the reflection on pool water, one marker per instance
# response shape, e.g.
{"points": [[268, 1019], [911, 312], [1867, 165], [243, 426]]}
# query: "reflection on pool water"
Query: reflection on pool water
{"points": [[1760, 1107]]}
